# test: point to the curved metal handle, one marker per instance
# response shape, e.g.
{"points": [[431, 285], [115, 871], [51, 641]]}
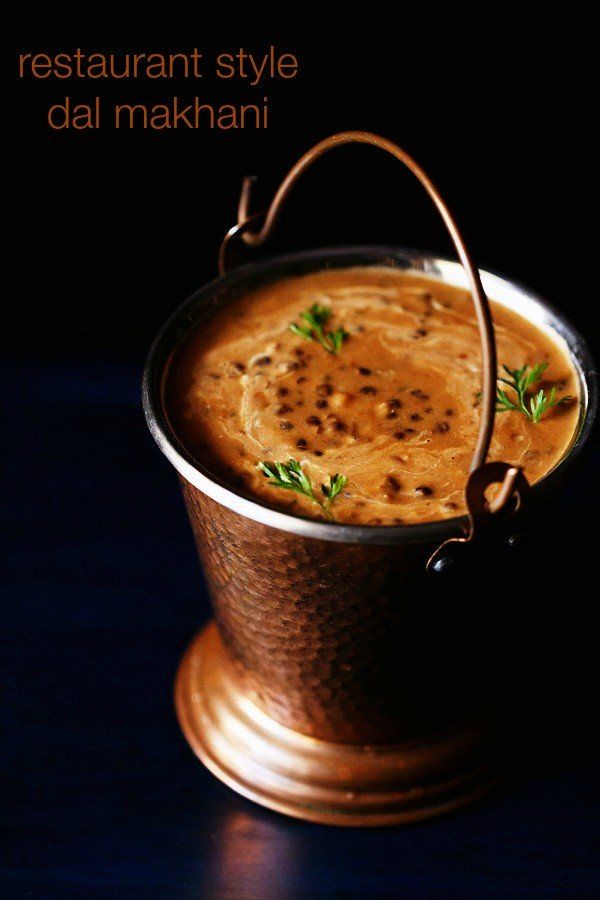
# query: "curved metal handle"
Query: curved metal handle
{"points": [[255, 238]]}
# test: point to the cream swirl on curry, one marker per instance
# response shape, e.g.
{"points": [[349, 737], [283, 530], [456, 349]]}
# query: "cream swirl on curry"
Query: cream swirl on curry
{"points": [[389, 398]]}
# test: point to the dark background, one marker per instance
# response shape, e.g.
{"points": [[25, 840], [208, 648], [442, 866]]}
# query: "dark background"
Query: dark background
{"points": [[108, 232], [114, 228]]}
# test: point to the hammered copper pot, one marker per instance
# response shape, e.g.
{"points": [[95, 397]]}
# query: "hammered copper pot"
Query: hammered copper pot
{"points": [[337, 686], [331, 686]]}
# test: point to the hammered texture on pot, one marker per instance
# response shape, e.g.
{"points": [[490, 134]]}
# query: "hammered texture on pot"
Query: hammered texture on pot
{"points": [[340, 641]]}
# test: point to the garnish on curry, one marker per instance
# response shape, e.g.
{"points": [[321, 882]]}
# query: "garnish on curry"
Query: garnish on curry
{"points": [[379, 383]]}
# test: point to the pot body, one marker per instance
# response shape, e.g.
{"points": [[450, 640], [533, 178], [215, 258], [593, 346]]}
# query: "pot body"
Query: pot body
{"points": [[341, 642]]}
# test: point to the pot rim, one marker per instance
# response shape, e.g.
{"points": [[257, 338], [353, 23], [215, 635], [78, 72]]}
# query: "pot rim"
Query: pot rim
{"points": [[178, 325]]}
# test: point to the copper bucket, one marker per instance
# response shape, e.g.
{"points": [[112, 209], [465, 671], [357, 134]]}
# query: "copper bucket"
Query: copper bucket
{"points": [[332, 684]]}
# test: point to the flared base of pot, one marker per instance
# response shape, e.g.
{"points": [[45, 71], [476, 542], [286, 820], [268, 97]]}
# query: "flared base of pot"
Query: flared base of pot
{"points": [[322, 781]]}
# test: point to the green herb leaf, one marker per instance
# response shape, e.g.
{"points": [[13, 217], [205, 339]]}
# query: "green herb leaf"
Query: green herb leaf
{"points": [[519, 380], [316, 318], [300, 331], [337, 483], [337, 338], [290, 477]]}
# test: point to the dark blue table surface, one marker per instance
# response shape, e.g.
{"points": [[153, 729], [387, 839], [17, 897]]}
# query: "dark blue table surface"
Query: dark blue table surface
{"points": [[101, 795]]}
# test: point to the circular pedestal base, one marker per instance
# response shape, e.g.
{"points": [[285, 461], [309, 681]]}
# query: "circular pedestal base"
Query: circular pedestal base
{"points": [[337, 784]]}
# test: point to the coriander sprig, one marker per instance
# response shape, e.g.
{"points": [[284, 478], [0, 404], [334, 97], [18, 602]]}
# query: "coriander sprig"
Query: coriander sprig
{"points": [[290, 477], [316, 317], [519, 381]]}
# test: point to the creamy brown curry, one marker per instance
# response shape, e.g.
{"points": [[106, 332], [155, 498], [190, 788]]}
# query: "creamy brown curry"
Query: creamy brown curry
{"points": [[396, 410]]}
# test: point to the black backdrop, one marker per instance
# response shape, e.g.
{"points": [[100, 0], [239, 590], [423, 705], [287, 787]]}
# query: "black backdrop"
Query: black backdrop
{"points": [[112, 229]]}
